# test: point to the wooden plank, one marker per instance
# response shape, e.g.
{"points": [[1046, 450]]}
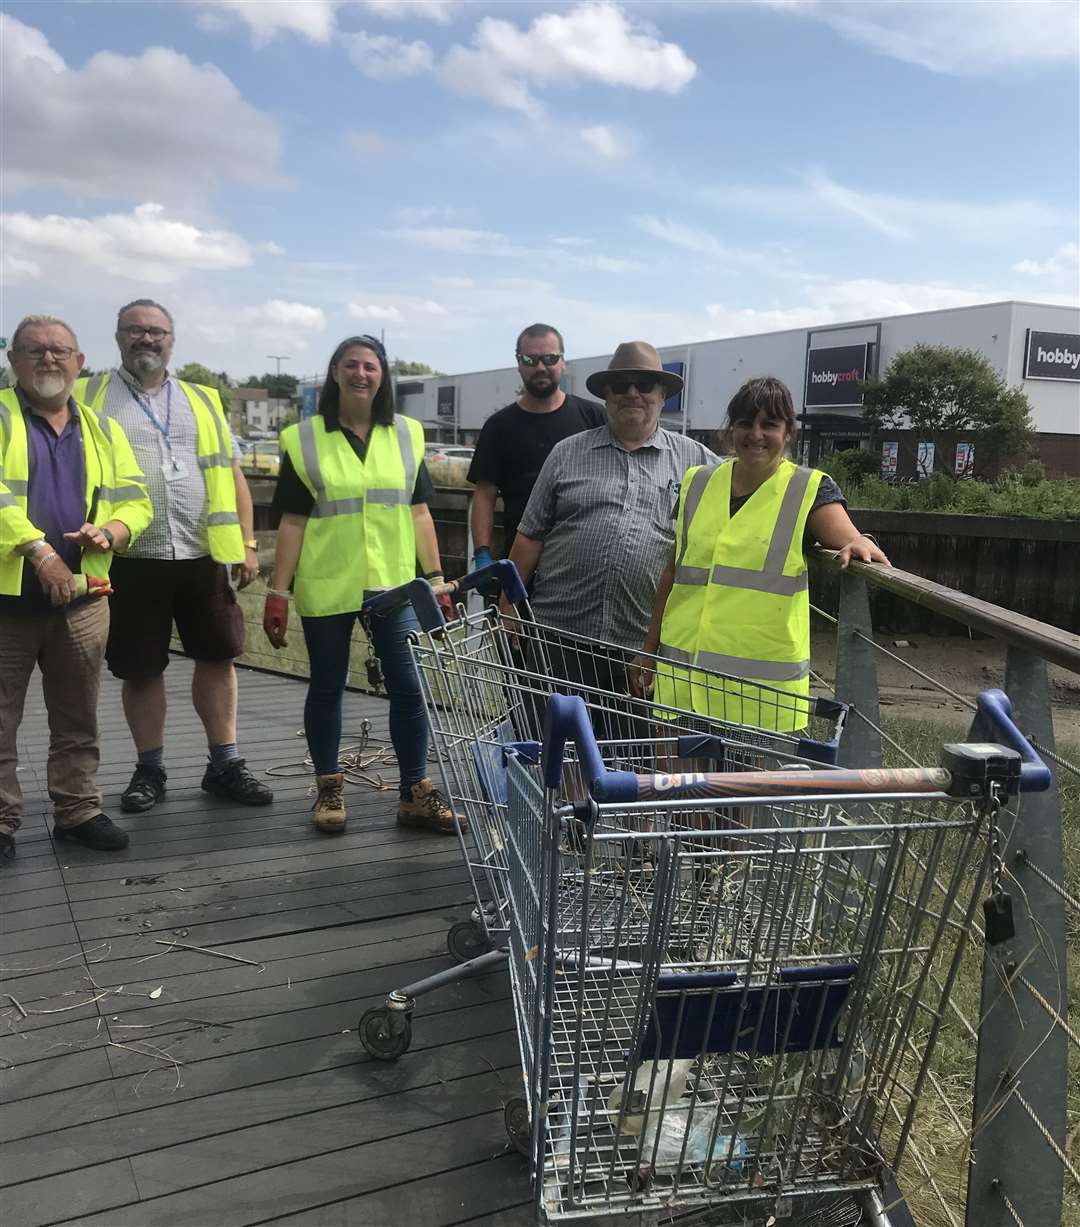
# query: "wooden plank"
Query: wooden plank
{"points": [[71, 1196]]}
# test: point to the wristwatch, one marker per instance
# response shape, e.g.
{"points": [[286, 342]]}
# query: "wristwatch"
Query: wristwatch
{"points": [[250, 543], [107, 535]]}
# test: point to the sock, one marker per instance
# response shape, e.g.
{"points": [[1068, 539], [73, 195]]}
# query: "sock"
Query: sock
{"points": [[153, 758], [222, 755]]}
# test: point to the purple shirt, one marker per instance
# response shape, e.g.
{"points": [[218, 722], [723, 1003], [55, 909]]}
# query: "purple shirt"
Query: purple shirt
{"points": [[55, 497]]}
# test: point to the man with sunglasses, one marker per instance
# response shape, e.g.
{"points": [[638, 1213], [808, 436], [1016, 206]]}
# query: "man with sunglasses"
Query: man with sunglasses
{"points": [[517, 439], [600, 522], [180, 569]]}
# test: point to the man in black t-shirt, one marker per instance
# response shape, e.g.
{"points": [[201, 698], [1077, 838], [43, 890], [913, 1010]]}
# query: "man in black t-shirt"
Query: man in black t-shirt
{"points": [[516, 440]]}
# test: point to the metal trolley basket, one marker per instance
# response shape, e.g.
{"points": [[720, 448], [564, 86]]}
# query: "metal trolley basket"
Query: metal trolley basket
{"points": [[728, 986], [486, 685]]}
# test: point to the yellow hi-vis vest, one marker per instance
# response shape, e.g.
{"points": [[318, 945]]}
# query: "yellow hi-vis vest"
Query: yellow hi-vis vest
{"points": [[114, 488], [215, 460], [739, 603], [359, 536]]}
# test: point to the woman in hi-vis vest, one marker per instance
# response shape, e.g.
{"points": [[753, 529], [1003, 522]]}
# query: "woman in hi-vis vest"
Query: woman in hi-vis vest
{"points": [[353, 496], [733, 599]]}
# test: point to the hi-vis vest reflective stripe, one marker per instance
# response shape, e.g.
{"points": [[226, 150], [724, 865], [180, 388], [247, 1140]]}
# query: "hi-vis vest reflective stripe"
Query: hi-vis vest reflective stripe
{"points": [[359, 536], [214, 458], [114, 488], [739, 603]]}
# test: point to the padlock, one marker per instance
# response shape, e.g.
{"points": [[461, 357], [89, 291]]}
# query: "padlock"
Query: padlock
{"points": [[998, 915], [374, 673]]}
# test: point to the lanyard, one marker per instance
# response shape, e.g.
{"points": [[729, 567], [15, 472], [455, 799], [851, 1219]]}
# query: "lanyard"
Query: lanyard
{"points": [[147, 408]]}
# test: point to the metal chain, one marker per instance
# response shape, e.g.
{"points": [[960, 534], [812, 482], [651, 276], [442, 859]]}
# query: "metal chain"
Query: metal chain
{"points": [[1056, 887], [1050, 1010], [997, 861], [1065, 1160]]}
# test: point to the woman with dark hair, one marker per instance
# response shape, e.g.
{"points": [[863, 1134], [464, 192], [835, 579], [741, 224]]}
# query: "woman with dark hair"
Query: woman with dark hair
{"points": [[734, 597], [352, 496]]}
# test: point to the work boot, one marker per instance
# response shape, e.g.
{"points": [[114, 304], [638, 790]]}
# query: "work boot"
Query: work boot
{"points": [[328, 812], [236, 783], [99, 833], [146, 789], [426, 807]]}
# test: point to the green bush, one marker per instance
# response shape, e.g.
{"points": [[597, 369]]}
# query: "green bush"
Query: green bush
{"points": [[851, 467], [1014, 494]]}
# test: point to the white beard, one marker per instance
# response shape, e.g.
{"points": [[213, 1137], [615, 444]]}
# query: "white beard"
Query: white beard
{"points": [[49, 385]]}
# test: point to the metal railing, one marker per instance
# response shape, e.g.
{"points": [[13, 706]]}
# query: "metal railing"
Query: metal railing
{"points": [[1003, 1121]]}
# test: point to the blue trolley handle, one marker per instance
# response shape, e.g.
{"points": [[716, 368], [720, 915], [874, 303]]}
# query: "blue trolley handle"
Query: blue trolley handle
{"points": [[993, 722], [422, 596]]}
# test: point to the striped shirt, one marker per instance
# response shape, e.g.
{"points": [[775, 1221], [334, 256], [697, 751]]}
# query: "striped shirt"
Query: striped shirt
{"points": [[606, 517], [178, 529]]}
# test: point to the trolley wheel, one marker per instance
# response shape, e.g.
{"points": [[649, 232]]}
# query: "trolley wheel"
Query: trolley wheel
{"points": [[516, 1120], [466, 940], [385, 1033]]}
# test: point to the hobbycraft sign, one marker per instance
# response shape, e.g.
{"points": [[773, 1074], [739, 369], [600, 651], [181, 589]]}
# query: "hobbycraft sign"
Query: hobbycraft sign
{"points": [[1052, 355], [834, 376]]}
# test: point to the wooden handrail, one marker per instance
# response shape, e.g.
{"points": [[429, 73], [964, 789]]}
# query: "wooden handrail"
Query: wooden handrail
{"points": [[1051, 642]]}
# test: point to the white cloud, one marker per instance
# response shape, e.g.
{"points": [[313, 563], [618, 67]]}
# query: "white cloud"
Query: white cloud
{"points": [[857, 204], [1062, 268], [571, 240], [373, 311], [772, 259], [384, 58], [144, 245], [153, 125], [605, 141], [315, 20], [453, 283], [458, 240], [441, 11], [292, 318], [595, 42], [953, 36]]}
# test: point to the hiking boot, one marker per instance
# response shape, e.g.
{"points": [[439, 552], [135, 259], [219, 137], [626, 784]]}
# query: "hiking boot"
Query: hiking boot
{"points": [[427, 808], [7, 846], [236, 783], [100, 833], [328, 812], [146, 789]]}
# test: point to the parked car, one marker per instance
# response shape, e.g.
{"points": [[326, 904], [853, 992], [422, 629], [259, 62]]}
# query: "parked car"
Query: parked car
{"points": [[447, 451]]}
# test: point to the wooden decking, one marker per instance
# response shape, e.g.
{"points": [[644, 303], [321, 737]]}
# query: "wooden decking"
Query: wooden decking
{"points": [[151, 1085]]}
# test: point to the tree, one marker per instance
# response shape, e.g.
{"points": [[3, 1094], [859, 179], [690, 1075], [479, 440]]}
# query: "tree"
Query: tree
{"points": [[941, 392], [195, 372], [400, 367], [279, 387]]}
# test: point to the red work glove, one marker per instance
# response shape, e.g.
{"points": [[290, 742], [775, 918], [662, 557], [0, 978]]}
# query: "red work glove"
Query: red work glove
{"points": [[276, 619]]}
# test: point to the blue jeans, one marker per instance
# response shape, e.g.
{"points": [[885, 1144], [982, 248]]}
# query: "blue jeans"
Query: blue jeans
{"points": [[328, 640]]}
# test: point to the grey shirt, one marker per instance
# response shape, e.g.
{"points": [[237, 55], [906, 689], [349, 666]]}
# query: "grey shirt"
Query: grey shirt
{"points": [[178, 529], [606, 517]]}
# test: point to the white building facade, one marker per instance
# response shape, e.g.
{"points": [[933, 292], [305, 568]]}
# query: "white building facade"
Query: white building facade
{"points": [[1034, 346]]}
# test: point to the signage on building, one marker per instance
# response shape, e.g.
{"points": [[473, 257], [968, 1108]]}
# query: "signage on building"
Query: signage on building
{"points": [[964, 464], [308, 402], [834, 376], [890, 456], [1052, 355], [444, 404], [673, 404], [924, 460]]}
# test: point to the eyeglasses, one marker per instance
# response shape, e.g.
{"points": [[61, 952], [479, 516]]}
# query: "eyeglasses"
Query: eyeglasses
{"points": [[619, 385], [134, 332], [36, 352], [536, 359]]}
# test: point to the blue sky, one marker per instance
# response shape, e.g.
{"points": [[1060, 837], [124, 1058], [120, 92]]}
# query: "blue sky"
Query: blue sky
{"points": [[284, 174]]}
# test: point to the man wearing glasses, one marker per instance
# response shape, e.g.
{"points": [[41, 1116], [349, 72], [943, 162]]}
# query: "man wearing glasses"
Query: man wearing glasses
{"points": [[517, 439], [600, 523], [179, 570], [70, 493]]}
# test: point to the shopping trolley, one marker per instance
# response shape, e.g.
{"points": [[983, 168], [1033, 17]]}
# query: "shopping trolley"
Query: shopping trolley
{"points": [[486, 682], [729, 986]]}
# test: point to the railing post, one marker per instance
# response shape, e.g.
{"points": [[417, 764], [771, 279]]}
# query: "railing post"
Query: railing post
{"points": [[1021, 1050], [856, 674]]}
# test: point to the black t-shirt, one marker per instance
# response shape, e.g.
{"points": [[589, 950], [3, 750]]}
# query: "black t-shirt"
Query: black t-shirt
{"points": [[514, 444], [293, 496]]}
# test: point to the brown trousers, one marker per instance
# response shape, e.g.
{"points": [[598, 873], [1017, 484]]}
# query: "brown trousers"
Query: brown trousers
{"points": [[68, 647]]}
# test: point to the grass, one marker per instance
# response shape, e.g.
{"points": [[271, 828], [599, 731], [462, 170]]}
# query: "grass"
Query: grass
{"points": [[1011, 495], [937, 1134]]}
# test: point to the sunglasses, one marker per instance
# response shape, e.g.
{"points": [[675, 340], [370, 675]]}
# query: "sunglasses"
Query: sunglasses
{"points": [[621, 384], [536, 359]]}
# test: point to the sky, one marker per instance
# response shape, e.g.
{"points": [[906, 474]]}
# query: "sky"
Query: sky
{"points": [[284, 175]]}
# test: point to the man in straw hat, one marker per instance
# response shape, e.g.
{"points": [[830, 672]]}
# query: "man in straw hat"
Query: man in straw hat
{"points": [[600, 522]]}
